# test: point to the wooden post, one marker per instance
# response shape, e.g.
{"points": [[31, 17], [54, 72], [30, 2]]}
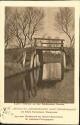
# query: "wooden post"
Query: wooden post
{"points": [[62, 61], [61, 44], [64, 56], [62, 66], [24, 59], [40, 54], [35, 43], [32, 60], [37, 60]]}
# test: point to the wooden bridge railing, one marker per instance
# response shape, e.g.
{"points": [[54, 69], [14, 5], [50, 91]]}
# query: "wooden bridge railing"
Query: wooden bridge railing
{"points": [[50, 43]]}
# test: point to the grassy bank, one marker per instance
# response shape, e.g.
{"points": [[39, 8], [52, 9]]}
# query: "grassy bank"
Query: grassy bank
{"points": [[14, 68], [12, 64]]}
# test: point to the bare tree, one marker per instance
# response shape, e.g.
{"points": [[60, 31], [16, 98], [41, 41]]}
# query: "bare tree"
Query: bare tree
{"points": [[8, 34], [24, 24], [65, 23]]}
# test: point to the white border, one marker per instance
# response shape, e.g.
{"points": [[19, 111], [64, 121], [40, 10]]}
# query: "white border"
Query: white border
{"points": [[69, 117]]}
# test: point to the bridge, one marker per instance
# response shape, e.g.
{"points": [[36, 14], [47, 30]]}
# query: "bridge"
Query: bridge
{"points": [[43, 45], [48, 44]]}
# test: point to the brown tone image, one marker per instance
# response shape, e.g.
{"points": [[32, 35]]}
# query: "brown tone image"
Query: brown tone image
{"points": [[39, 55]]}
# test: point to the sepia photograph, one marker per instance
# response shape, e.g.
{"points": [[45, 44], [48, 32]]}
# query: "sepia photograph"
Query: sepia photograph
{"points": [[39, 54], [39, 67]]}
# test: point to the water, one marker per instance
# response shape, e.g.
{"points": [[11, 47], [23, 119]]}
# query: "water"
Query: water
{"points": [[39, 85], [51, 71]]}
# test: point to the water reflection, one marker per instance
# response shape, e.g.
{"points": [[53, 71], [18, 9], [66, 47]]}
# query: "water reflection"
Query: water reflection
{"points": [[30, 83], [51, 71], [22, 88]]}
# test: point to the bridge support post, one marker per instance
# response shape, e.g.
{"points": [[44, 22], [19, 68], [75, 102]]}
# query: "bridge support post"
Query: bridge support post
{"points": [[35, 60], [62, 66], [64, 56], [40, 54], [32, 60], [24, 59]]}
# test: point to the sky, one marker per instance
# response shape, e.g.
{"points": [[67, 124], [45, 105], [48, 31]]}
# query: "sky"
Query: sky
{"points": [[49, 29], [49, 26]]}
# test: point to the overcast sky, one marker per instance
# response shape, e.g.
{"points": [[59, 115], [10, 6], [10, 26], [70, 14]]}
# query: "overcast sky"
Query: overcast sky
{"points": [[49, 29], [49, 25]]}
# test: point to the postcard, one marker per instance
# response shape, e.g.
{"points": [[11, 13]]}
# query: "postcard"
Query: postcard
{"points": [[39, 66]]}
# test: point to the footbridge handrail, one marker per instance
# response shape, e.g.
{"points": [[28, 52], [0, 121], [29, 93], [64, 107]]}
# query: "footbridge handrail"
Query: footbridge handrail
{"points": [[50, 42]]}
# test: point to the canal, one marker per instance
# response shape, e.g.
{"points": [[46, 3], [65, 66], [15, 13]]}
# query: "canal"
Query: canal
{"points": [[41, 85]]}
